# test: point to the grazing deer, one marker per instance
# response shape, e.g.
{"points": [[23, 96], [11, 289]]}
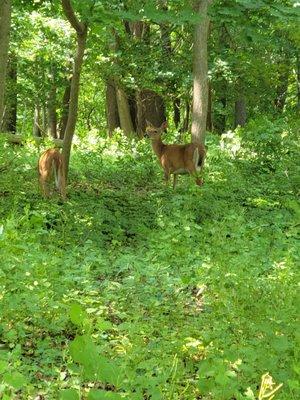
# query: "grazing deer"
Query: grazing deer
{"points": [[52, 162], [176, 159]]}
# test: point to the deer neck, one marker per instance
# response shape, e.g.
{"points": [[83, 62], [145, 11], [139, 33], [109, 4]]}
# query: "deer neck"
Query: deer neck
{"points": [[157, 146]]}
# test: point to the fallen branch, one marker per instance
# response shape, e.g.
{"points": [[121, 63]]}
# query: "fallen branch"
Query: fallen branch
{"points": [[17, 139]]}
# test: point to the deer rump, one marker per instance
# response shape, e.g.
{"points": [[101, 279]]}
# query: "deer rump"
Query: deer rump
{"points": [[180, 159], [51, 164]]}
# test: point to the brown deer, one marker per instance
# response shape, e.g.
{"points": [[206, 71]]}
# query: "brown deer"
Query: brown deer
{"points": [[52, 162], [177, 159]]}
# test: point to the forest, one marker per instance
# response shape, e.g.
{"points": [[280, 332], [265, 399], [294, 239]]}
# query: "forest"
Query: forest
{"points": [[149, 199]]}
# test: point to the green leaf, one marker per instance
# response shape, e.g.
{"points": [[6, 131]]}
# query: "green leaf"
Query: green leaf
{"points": [[85, 352], [6, 397], [96, 394], [69, 394], [3, 366], [15, 379], [77, 314], [104, 325], [222, 379]]}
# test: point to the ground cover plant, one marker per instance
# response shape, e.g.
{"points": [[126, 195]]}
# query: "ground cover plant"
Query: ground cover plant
{"points": [[131, 290]]}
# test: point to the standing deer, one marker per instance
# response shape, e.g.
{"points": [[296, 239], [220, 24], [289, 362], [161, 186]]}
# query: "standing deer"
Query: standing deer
{"points": [[52, 162], [177, 159]]}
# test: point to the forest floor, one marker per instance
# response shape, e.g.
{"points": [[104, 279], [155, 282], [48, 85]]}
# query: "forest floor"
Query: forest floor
{"points": [[133, 290]]}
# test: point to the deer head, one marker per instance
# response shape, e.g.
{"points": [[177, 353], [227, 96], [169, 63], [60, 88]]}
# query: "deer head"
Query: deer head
{"points": [[153, 132]]}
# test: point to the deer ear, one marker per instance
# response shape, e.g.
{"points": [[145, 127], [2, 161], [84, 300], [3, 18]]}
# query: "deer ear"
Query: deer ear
{"points": [[164, 125]]}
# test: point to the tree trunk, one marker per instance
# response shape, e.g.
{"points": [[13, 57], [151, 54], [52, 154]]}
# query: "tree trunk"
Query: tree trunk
{"points": [[200, 73], [176, 108], [52, 116], [11, 101], [37, 120], [124, 111], [81, 35], [240, 113], [222, 87], [298, 81], [112, 115], [150, 107], [209, 124], [65, 109], [5, 18], [281, 90], [186, 121]]}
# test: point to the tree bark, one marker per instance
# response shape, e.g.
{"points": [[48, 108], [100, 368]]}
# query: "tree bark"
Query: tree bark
{"points": [[176, 108], [298, 81], [150, 107], [112, 115], [81, 36], [209, 124], [52, 116], [124, 111], [11, 101], [186, 121], [282, 87], [5, 18], [200, 73], [37, 131], [240, 111], [65, 109]]}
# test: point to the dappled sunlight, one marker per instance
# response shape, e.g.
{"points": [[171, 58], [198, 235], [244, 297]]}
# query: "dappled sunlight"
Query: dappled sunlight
{"points": [[196, 283]]}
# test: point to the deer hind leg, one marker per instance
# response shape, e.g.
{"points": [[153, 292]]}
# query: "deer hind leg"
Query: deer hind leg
{"points": [[44, 186], [175, 176], [166, 176], [194, 173]]}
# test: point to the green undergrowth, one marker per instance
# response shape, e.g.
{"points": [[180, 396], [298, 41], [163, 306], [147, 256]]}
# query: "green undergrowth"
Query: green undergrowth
{"points": [[132, 290]]}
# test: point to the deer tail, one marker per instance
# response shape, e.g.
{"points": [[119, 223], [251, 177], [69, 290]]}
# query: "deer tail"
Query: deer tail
{"points": [[196, 157], [58, 169]]}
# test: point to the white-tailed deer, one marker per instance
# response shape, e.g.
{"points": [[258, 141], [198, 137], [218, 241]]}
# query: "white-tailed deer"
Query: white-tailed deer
{"points": [[177, 159], [51, 162]]}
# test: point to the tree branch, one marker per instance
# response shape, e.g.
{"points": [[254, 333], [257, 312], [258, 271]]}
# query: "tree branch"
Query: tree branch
{"points": [[70, 14]]}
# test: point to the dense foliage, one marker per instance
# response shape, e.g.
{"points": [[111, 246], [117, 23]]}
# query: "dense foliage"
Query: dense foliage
{"points": [[130, 290]]}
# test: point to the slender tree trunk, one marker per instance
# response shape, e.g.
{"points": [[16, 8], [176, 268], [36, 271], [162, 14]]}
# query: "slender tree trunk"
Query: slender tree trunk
{"points": [[186, 121], [209, 125], [81, 35], [112, 115], [140, 114], [200, 72], [124, 111], [281, 90], [240, 112], [65, 109], [146, 104], [176, 108], [44, 111], [37, 120], [11, 98], [220, 117], [5, 18], [298, 81], [52, 116]]}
